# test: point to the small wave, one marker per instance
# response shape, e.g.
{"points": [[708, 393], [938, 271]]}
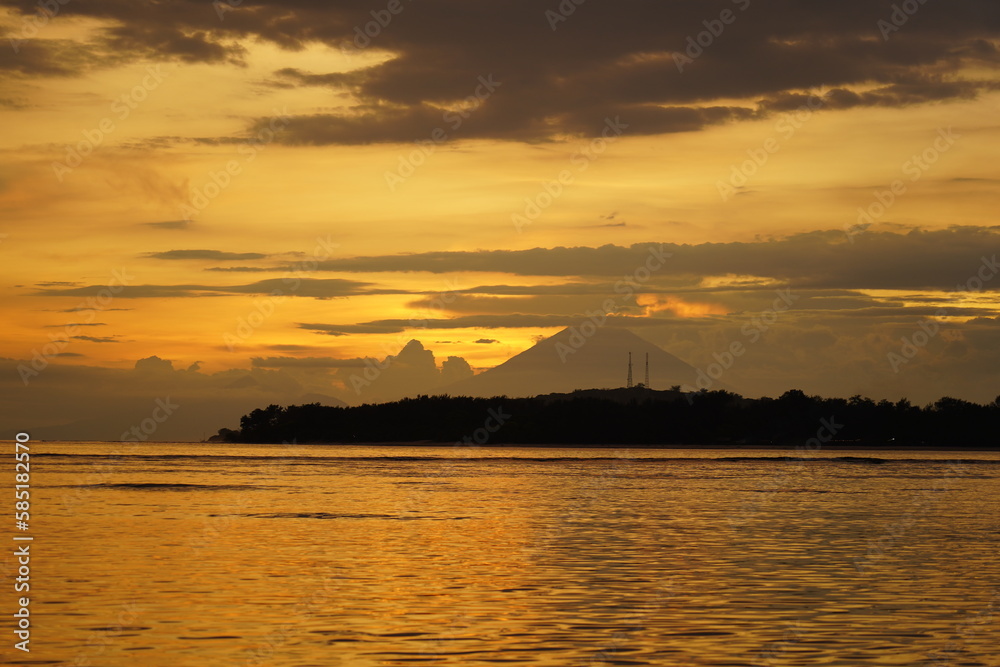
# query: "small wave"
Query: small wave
{"points": [[800, 491], [826, 459], [327, 515]]}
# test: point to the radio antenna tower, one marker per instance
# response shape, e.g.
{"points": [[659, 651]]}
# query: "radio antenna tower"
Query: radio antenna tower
{"points": [[646, 384], [629, 384]]}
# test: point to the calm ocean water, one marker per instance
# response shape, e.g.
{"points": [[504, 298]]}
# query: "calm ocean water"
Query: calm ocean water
{"points": [[193, 554]]}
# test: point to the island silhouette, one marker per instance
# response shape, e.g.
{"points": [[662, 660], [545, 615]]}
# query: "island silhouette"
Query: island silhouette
{"points": [[637, 416]]}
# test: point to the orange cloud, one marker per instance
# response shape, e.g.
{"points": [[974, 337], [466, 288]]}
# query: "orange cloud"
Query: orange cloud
{"points": [[655, 303]]}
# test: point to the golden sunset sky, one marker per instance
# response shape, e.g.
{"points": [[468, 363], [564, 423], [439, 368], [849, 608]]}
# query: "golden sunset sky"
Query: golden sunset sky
{"points": [[268, 196]]}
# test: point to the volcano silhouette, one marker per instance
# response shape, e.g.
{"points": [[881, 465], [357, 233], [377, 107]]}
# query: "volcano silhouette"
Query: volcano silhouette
{"points": [[571, 360]]}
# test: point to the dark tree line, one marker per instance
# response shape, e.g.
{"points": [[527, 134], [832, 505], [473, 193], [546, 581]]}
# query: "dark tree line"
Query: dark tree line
{"points": [[642, 417]]}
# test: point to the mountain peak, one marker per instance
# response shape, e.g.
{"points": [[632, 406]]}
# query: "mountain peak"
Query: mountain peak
{"points": [[578, 357]]}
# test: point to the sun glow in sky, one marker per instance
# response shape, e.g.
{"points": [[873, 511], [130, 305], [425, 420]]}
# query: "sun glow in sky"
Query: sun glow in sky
{"points": [[476, 180]]}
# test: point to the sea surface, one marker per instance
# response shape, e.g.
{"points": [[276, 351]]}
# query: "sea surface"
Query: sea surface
{"points": [[205, 554]]}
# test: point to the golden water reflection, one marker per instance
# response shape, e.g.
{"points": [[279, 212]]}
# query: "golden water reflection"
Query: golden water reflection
{"points": [[341, 556]]}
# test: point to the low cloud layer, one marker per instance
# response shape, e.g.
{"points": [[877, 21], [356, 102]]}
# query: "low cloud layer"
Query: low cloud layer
{"points": [[839, 259], [942, 260], [289, 286], [205, 402]]}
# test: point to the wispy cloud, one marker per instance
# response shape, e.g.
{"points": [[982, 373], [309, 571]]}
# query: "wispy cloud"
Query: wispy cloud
{"points": [[215, 255]]}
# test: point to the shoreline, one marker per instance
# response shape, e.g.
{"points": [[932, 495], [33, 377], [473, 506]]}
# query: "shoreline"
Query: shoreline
{"points": [[840, 446]]}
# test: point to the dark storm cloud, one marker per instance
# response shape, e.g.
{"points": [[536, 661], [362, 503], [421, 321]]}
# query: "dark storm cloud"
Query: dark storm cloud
{"points": [[609, 58], [896, 95], [50, 57], [615, 60], [176, 29], [152, 40], [216, 255]]}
